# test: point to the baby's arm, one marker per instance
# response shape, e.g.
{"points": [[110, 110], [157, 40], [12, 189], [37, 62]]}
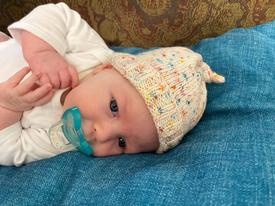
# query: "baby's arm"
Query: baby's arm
{"points": [[8, 117], [23, 145], [17, 96], [65, 31], [42, 57]]}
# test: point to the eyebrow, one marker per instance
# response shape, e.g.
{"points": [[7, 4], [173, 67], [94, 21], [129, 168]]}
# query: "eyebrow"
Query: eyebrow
{"points": [[121, 113], [122, 104], [123, 108]]}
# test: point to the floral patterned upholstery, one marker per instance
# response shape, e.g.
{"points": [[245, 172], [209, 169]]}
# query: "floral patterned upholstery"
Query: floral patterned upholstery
{"points": [[148, 23]]}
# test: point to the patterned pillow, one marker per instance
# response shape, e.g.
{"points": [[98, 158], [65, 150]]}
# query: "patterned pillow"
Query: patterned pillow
{"points": [[147, 23]]}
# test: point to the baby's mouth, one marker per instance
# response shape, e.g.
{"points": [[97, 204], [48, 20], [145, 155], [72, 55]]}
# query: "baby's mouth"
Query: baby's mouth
{"points": [[89, 137]]}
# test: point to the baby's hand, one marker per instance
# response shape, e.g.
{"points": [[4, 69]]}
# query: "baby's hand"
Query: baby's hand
{"points": [[54, 68], [19, 96]]}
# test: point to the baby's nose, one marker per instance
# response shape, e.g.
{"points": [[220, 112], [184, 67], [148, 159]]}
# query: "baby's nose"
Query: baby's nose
{"points": [[99, 132], [104, 133]]}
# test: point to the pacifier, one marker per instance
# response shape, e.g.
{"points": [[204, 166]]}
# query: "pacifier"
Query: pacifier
{"points": [[67, 134]]}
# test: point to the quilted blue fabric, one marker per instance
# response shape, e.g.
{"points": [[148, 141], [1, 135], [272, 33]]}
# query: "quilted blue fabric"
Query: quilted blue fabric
{"points": [[227, 159]]}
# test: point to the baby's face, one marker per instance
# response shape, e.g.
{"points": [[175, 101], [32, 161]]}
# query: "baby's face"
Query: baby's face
{"points": [[115, 117]]}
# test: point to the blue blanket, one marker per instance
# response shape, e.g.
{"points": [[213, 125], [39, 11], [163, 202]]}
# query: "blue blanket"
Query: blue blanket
{"points": [[227, 159]]}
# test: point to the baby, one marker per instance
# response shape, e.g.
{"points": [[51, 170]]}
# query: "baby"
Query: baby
{"points": [[120, 104]]}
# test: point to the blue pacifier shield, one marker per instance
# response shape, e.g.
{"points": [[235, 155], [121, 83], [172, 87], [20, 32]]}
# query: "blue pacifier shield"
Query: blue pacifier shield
{"points": [[71, 125], [72, 129]]}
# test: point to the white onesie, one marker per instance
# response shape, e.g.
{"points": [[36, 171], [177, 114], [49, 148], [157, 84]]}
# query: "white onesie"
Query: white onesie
{"points": [[73, 38]]}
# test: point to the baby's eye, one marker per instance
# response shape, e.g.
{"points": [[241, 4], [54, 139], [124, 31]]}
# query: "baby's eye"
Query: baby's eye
{"points": [[113, 106], [121, 142]]}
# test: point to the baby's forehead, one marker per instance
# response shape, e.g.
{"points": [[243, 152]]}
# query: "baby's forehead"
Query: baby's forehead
{"points": [[139, 126]]}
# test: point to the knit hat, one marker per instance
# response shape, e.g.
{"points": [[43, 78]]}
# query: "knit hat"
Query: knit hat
{"points": [[172, 84]]}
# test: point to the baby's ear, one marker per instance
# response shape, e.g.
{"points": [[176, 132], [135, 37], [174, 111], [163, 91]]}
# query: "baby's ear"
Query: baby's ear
{"points": [[107, 66], [101, 67], [94, 70]]}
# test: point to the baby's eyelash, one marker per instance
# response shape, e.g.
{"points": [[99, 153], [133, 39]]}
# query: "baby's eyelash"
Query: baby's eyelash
{"points": [[113, 107], [121, 142]]}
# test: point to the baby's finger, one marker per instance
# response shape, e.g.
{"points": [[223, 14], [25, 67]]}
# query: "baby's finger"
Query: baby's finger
{"points": [[37, 94], [18, 76], [64, 79], [44, 79], [28, 84], [74, 76], [45, 98], [55, 81]]}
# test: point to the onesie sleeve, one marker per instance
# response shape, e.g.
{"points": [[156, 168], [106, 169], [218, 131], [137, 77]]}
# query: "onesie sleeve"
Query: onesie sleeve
{"points": [[9, 145], [20, 146], [65, 30]]}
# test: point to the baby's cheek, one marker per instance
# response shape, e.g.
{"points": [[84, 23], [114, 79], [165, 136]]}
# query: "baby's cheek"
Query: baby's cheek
{"points": [[105, 150]]}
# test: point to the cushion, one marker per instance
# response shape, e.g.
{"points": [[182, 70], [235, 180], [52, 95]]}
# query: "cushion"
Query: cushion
{"points": [[227, 159], [155, 23]]}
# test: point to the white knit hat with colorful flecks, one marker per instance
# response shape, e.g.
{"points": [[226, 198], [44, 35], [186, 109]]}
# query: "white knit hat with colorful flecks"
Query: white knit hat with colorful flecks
{"points": [[172, 83]]}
